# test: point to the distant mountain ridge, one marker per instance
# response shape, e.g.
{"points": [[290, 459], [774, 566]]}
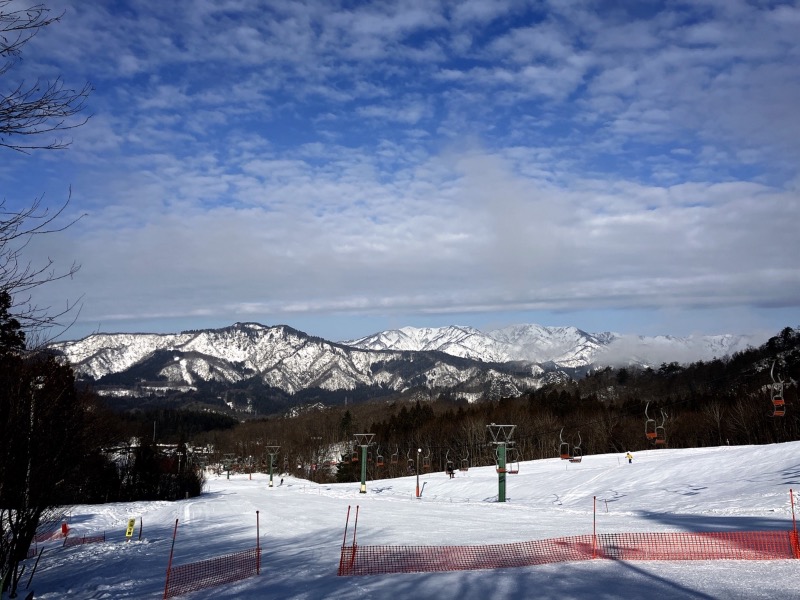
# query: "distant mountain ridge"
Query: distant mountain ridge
{"points": [[567, 347], [463, 360], [277, 357]]}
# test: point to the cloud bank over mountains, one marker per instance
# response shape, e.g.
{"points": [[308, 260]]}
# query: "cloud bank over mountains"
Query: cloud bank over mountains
{"points": [[355, 168]]}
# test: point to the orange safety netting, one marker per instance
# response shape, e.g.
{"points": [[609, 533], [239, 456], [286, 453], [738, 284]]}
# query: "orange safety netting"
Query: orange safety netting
{"points": [[755, 545], [715, 545], [86, 539], [48, 536], [212, 572]]}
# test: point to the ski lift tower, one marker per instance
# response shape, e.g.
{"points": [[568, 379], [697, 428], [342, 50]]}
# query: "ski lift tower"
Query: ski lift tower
{"points": [[272, 450], [501, 438], [364, 440]]}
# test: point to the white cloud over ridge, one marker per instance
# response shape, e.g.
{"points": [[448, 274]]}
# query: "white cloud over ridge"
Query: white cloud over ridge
{"points": [[277, 161]]}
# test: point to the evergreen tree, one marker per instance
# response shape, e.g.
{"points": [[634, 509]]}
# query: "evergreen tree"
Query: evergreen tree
{"points": [[11, 335]]}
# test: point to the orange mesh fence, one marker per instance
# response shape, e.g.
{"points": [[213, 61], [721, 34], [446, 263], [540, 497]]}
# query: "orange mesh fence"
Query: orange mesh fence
{"points": [[716, 545], [47, 536], [86, 539], [212, 572], [763, 545], [369, 560]]}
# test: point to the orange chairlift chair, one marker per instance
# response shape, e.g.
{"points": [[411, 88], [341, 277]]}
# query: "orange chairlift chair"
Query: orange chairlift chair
{"points": [[649, 425], [563, 448], [778, 401], [577, 453], [497, 466], [661, 432], [354, 455], [464, 463], [410, 464], [512, 460]]}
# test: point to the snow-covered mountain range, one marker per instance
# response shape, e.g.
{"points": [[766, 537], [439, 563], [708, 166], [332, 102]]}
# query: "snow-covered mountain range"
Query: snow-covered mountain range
{"points": [[563, 346], [472, 363], [567, 347]]}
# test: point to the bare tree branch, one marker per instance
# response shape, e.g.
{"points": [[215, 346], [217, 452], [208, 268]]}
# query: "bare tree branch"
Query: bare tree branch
{"points": [[29, 111], [18, 276], [40, 109], [17, 27]]}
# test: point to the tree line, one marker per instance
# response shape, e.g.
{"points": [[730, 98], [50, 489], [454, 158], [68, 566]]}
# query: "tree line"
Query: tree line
{"points": [[726, 400]]}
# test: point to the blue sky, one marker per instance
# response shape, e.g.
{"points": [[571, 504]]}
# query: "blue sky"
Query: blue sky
{"points": [[348, 167]]}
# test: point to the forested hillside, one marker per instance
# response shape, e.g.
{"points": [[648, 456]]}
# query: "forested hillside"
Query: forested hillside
{"points": [[728, 400]]}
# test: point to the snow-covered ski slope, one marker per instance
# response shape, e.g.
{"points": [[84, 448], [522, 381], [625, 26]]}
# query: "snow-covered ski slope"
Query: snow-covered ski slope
{"points": [[736, 488]]}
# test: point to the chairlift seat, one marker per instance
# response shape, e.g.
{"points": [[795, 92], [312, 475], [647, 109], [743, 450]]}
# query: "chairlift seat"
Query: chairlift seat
{"points": [[564, 451]]}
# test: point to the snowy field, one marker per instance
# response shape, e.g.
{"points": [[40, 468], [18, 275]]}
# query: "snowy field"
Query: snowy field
{"points": [[737, 488]]}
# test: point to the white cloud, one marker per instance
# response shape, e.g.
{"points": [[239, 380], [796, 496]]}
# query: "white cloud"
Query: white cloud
{"points": [[427, 157]]}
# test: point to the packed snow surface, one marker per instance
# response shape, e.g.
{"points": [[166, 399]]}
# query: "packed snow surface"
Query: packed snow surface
{"points": [[302, 525]]}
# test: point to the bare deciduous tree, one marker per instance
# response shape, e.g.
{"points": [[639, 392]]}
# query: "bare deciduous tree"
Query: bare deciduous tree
{"points": [[714, 413], [27, 112], [43, 417]]}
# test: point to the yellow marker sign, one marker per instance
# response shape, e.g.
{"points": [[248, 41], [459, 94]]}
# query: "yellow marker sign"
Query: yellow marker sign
{"points": [[131, 527]]}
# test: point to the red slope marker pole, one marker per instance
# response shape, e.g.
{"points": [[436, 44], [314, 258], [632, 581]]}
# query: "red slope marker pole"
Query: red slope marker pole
{"points": [[355, 527], [169, 564], [346, 524], [594, 528], [344, 541]]}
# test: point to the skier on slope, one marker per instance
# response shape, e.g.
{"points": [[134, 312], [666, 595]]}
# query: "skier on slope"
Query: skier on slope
{"points": [[629, 456]]}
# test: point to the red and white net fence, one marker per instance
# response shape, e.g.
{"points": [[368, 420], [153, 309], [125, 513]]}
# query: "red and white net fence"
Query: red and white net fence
{"points": [[713, 545], [212, 572], [745, 545], [84, 539]]}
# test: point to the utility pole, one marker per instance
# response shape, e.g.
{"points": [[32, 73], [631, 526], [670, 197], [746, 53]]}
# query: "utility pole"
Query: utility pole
{"points": [[272, 450], [364, 440], [501, 439]]}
